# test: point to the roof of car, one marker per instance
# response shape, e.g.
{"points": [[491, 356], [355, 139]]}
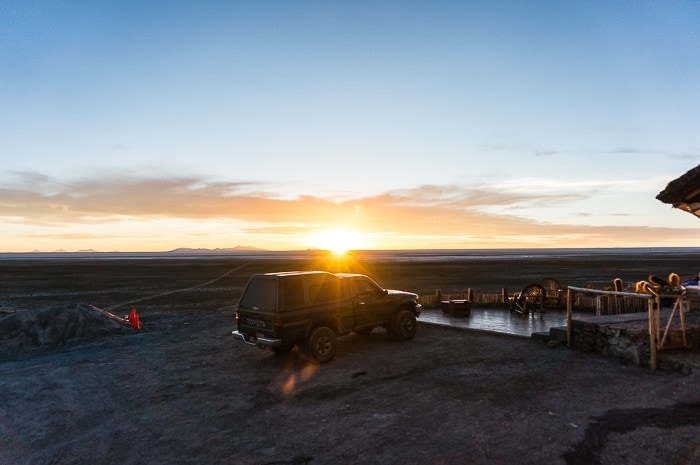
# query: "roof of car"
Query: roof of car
{"points": [[281, 274], [348, 275], [296, 273]]}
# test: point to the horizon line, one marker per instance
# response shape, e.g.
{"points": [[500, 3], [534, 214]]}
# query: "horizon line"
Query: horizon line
{"points": [[250, 249]]}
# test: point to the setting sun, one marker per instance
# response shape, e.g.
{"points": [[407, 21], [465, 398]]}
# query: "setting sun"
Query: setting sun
{"points": [[339, 241]]}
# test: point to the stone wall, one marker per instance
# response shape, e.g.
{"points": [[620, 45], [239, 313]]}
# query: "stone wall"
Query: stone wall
{"points": [[628, 339], [629, 345]]}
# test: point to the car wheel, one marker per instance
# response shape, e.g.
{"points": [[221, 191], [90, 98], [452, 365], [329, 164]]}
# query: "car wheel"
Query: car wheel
{"points": [[403, 326], [321, 345], [284, 348]]}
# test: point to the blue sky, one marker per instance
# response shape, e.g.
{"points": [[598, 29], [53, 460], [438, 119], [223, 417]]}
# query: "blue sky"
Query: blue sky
{"points": [[444, 124]]}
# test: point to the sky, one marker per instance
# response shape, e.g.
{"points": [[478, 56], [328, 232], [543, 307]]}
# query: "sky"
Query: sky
{"points": [[285, 125]]}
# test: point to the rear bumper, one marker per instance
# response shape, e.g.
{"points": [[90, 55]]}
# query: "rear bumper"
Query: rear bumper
{"points": [[260, 341]]}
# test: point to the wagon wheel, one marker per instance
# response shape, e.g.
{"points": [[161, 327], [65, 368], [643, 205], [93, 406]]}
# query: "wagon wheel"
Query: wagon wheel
{"points": [[551, 284], [553, 296], [532, 298]]}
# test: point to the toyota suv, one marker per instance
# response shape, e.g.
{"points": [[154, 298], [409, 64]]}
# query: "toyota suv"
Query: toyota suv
{"points": [[310, 309]]}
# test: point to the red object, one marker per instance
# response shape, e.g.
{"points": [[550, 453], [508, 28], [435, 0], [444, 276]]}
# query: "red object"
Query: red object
{"points": [[134, 318]]}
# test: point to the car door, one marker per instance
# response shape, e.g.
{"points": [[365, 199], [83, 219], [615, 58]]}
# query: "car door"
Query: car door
{"points": [[330, 294], [370, 302]]}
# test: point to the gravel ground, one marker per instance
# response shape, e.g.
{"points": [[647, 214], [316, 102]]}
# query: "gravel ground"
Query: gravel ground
{"points": [[183, 391]]}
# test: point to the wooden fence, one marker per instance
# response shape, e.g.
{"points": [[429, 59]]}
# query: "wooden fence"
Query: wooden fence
{"points": [[600, 305], [618, 304], [478, 299]]}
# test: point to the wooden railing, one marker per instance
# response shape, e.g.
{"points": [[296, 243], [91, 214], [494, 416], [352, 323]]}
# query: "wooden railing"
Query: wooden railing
{"points": [[653, 304]]}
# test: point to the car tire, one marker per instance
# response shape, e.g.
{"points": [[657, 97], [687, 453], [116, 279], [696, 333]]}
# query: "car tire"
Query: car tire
{"points": [[403, 326], [321, 345]]}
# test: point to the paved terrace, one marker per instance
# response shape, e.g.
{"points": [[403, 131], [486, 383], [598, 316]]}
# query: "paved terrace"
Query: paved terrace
{"points": [[496, 320], [501, 321]]}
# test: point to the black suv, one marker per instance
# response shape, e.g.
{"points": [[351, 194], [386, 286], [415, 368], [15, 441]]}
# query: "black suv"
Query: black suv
{"points": [[312, 308]]}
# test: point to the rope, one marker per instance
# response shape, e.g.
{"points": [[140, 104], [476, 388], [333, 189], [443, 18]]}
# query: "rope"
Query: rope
{"points": [[112, 307]]}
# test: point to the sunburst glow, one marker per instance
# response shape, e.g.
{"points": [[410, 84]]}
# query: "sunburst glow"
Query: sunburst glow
{"points": [[339, 241]]}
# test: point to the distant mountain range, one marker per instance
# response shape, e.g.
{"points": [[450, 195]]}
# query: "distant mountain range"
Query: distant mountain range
{"points": [[240, 248], [178, 251]]}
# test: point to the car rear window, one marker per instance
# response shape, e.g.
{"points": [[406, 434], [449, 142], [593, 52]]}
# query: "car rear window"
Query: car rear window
{"points": [[260, 294]]}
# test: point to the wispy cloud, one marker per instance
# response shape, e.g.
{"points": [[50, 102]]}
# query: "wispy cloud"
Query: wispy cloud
{"points": [[522, 147], [34, 197], [450, 213]]}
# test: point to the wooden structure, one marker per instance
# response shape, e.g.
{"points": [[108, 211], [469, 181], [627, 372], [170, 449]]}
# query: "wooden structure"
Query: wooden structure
{"points": [[554, 293], [657, 339], [530, 300], [538, 297]]}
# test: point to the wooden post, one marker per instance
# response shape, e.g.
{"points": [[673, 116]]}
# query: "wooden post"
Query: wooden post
{"points": [[569, 311], [653, 318], [470, 295], [438, 297], [505, 295], [681, 306]]}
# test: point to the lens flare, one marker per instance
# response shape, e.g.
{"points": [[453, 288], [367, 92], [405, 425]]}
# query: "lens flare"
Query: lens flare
{"points": [[339, 241]]}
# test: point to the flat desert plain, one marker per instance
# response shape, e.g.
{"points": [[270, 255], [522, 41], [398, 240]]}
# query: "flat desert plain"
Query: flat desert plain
{"points": [[181, 390]]}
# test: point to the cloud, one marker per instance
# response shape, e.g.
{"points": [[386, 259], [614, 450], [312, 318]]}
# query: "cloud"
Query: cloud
{"points": [[426, 210], [685, 156], [635, 151], [523, 147], [36, 198], [511, 145], [434, 214]]}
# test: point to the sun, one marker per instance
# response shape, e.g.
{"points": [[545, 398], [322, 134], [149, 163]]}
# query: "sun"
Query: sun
{"points": [[339, 241]]}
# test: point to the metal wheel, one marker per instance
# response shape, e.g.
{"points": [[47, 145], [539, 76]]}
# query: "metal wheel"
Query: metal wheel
{"points": [[555, 296], [403, 326], [321, 345], [528, 301]]}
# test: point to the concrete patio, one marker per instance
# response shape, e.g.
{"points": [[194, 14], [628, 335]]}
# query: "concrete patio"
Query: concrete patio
{"points": [[497, 321], [500, 321]]}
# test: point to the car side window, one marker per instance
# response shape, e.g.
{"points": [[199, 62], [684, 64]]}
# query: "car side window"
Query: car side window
{"points": [[293, 293], [325, 290], [364, 286]]}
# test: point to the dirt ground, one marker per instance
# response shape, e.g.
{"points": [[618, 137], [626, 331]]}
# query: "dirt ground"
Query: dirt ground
{"points": [[181, 390]]}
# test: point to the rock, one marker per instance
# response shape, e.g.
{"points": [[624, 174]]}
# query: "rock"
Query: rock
{"points": [[56, 326]]}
